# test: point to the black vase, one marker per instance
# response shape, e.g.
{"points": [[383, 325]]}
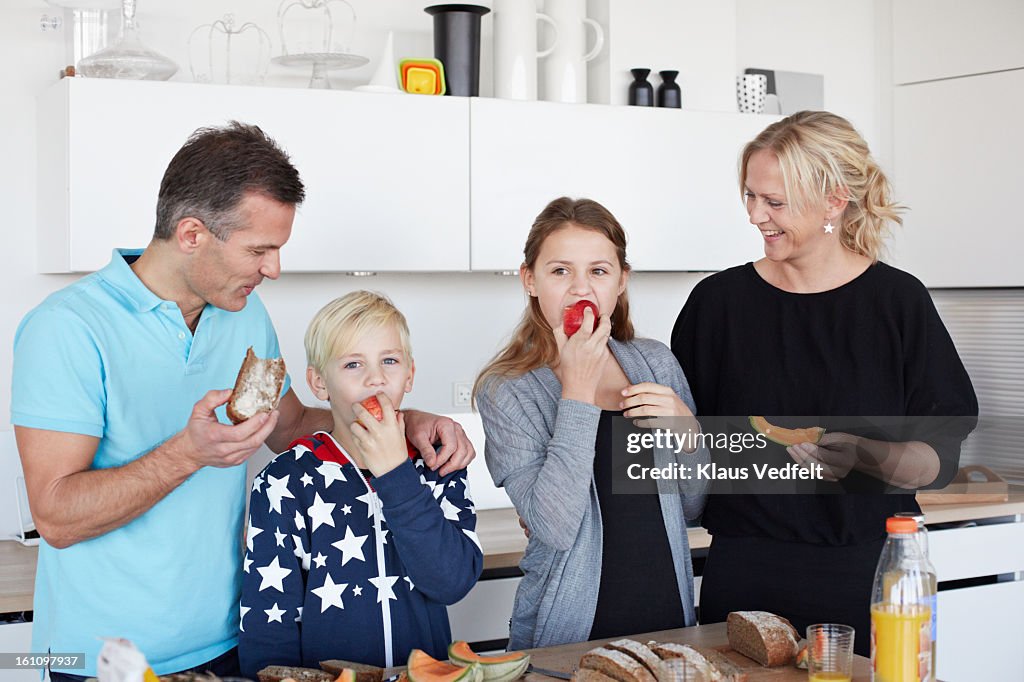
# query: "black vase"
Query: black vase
{"points": [[457, 45], [641, 93], [669, 94]]}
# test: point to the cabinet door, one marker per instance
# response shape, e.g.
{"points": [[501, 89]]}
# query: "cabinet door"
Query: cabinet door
{"points": [[387, 176], [979, 633], [957, 151], [669, 176], [948, 38]]}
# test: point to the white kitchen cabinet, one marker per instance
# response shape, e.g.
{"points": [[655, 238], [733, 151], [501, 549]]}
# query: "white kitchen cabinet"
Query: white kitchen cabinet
{"points": [[668, 175], [387, 176], [16, 638], [978, 626], [935, 39], [957, 151]]}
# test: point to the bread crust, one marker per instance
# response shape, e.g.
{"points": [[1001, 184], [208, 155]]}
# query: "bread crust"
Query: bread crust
{"points": [[768, 639], [276, 673], [257, 387]]}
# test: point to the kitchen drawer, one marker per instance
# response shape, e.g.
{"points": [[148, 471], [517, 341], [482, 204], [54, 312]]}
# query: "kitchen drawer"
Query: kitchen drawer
{"points": [[979, 633], [977, 551], [17, 638], [483, 614]]}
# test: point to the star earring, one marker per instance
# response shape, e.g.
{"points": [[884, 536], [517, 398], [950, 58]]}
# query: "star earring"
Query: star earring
{"points": [[828, 227]]}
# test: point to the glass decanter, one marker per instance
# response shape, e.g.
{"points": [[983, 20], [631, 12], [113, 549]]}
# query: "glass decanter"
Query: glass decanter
{"points": [[128, 58]]}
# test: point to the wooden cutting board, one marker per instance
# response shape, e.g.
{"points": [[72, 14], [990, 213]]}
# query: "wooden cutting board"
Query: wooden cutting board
{"points": [[973, 484], [566, 657]]}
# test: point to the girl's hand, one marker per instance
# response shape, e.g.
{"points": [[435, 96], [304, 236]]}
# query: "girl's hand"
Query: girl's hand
{"points": [[381, 443], [582, 358], [654, 406]]}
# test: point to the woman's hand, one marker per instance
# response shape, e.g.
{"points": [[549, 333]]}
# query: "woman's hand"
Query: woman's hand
{"points": [[836, 453], [662, 407], [908, 465], [582, 358], [381, 443]]}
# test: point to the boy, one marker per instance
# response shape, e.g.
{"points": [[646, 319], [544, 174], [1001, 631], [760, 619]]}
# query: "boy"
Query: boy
{"points": [[354, 546]]}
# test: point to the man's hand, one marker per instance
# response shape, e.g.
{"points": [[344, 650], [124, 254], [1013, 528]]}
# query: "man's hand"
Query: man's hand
{"points": [[381, 443], [424, 429], [206, 442]]}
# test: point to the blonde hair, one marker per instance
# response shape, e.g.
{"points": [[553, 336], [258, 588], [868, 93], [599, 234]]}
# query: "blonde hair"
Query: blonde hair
{"points": [[533, 343], [821, 154], [340, 324]]}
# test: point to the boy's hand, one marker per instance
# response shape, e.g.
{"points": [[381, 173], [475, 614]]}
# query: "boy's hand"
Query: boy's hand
{"points": [[382, 443]]}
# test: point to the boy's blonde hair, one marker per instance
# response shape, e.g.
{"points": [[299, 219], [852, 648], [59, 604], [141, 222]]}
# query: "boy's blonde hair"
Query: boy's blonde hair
{"points": [[339, 325]]}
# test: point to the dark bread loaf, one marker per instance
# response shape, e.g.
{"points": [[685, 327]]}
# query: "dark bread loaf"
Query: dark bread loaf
{"points": [[768, 639], [364, 672], [276, 673], [257, 387]]}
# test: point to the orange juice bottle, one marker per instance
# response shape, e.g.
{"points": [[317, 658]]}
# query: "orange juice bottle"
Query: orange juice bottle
{"points": [[932, 601], [901, 608]]}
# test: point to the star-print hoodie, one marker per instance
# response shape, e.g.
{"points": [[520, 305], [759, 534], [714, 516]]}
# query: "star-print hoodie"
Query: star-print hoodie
{"points": [[341, 567]]}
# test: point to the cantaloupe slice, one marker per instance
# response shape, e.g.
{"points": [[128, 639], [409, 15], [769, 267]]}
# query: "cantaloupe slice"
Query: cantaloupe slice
{"points": [[347, 675], [424, 668], [504, 668], [787, 437]]}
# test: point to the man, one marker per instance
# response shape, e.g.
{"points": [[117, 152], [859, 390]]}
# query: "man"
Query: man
{"points": [[141, 516]]}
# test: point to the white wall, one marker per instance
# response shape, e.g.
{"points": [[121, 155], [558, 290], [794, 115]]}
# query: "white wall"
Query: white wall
{"points": [[457, 321], [836, 38]]}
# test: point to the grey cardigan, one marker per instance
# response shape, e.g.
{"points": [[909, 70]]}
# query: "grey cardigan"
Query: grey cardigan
{"points": [[540, 448]]}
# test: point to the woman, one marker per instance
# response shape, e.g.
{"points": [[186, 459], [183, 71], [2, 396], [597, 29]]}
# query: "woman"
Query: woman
{"points": [[548, 405], [818, 327]]}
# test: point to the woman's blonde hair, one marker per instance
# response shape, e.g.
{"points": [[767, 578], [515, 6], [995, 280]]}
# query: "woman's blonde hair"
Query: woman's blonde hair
{"points": [[339, 325], [821, 154], [533, 343]]}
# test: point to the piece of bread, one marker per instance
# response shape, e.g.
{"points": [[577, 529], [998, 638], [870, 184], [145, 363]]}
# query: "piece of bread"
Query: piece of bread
{"points": [[257, 387], [588, 675], [277, 673], [639, 651], [616, 665], [768, 639], [364, 672], [715, 665]]}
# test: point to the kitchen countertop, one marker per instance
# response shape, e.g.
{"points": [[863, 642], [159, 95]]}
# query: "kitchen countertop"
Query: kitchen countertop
{"points": [[500, 536]]}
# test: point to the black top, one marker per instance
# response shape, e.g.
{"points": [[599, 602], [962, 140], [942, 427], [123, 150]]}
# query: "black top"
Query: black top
{"points": [[636, 560], [874, 346]]}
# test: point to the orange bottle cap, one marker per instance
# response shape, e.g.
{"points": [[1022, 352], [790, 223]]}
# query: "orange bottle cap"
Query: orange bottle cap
{"points": [[897, 524]]}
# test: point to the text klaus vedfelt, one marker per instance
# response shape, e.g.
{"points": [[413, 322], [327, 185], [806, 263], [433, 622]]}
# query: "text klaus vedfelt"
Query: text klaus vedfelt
{"points": [[711, 471]]}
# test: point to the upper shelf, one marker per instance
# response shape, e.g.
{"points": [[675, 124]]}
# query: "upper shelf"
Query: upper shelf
{"points": [[399, 183]]}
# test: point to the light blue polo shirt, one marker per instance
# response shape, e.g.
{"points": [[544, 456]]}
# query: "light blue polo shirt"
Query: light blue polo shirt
{"points": [[108, 358]]}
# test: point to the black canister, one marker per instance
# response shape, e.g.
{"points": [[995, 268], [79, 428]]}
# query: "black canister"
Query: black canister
{"points": [[669, 94], [457, 45], [641, 93]]}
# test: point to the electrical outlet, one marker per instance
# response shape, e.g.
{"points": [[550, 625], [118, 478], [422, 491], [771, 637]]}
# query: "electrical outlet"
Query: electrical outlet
{"points": [[462, 393]]}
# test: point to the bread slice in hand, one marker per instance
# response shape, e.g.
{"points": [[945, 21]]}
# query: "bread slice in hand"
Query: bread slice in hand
{"points": [[257, 388]]}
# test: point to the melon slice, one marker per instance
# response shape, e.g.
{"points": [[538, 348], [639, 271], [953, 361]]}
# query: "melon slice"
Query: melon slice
{"points": [[424, 668], [787, 437], [347, 675], [504, 668]]}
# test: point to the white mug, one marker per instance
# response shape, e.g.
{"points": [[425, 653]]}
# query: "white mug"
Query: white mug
{"points": [[565, 71], [751, 89], [515, 48]]}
